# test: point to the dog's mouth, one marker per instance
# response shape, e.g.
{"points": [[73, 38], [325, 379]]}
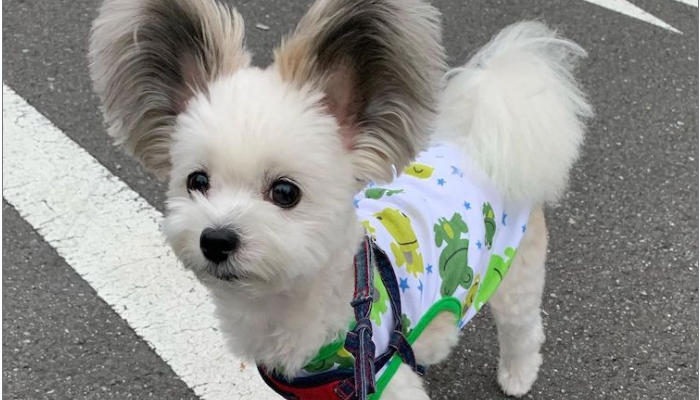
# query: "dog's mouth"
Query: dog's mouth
{"points": [[225, 276], [221, 272]]}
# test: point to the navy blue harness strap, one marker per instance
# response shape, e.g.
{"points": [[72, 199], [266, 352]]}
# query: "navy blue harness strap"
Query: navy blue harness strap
{"points": [[364, 280], [359, 341]]}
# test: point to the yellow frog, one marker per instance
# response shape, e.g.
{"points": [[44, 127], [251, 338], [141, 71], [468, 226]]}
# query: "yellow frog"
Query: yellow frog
{"points": [[405, 245], [420, 171]]}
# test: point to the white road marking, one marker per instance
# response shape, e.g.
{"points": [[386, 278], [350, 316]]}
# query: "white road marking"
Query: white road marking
{"points": [[629, 9], [111, 237], [693, 3]]}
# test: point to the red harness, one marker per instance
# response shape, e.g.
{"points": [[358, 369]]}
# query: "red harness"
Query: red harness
{"points": [[334, 388]]}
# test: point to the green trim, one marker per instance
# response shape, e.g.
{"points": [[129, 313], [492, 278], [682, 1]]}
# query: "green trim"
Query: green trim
{"points": [[329, 350], [450, 304]]}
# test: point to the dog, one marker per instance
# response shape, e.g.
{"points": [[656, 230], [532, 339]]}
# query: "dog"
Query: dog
{"points": [[355, 137]]}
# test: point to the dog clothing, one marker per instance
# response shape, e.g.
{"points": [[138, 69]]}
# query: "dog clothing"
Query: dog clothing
{"points": [[450, 237]]}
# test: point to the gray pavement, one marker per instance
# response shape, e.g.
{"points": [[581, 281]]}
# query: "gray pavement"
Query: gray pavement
{"points": [[60, 340], [621, 301]]}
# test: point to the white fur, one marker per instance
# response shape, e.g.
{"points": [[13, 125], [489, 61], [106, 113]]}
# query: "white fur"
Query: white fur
{"points": [[249, 130], [514, 108], [516, 308], [517, 111], [405, 385], [437, 340]]}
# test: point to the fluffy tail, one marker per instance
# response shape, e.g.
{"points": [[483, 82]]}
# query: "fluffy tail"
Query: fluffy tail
{"points": [[516, 109]]}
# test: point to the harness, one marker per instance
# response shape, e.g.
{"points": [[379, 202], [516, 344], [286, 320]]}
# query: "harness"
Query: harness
{"points": [[356, 383]]}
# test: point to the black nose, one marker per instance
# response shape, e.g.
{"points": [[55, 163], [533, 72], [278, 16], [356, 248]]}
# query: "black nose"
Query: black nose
{"points": [[217, 244]]}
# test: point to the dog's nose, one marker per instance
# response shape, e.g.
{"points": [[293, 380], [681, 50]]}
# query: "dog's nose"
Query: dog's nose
{"points": [[217, 244]]}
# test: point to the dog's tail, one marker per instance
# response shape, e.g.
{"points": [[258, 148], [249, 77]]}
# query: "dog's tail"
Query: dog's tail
{"points": [[518, 112]]}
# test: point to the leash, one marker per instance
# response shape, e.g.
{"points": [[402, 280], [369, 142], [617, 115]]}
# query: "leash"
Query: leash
{"points": [[359, 341]]}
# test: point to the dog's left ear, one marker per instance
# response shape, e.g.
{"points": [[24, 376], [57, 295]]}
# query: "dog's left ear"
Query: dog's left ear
{"points": [[380, 64]]}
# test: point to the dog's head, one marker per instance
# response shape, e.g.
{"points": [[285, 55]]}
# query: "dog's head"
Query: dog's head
{"points": [[263, 164]]}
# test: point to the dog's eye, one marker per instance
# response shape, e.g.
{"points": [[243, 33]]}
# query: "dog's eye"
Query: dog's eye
{"points": [[198, 181], [284, 193]]}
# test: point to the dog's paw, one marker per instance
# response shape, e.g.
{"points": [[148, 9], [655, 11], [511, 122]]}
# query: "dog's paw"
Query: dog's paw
{"points": [[517, 376]]}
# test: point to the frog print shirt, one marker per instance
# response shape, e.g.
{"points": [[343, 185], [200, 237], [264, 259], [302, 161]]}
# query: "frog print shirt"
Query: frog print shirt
{"points": [[449, 233]]}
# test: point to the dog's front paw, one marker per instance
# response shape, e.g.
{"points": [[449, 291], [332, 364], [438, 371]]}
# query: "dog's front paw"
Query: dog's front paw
{"points": [[516, 376]]}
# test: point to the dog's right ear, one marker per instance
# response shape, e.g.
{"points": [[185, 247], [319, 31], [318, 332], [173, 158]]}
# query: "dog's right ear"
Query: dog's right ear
{"points": [[380, 65], [149, 57]]}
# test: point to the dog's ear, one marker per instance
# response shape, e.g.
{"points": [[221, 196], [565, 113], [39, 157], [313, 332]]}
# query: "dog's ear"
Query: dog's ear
{"points": [[380, 64], [149, 57]]}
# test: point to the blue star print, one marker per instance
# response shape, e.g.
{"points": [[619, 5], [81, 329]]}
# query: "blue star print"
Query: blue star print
{"points": [[503, 219], [357, 203], [404, 284], [467, 205], [420, 287], [524, 228], [478, 244], [457, 171], [441, 182], [429, 268]]}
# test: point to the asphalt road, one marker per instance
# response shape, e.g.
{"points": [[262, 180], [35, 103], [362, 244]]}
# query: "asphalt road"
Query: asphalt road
{"points": [[621, 303]]}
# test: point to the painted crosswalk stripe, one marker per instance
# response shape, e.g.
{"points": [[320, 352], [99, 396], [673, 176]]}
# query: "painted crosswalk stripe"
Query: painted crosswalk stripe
{"points": [[111, 237], [631, 10], [693, 3]]}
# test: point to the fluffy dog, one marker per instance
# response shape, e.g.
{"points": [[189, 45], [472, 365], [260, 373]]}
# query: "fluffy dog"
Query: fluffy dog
{"points": [[265, 166]]}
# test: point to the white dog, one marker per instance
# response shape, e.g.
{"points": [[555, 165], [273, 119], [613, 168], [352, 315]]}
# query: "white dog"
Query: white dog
{"points": [[265, 166]]}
